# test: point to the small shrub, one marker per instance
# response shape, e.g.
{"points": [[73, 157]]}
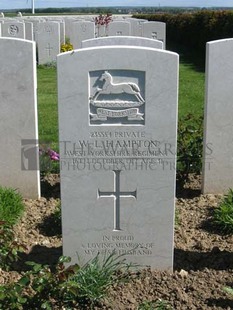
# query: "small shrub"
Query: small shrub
{"points": [[66, 47], [223, 214], [40, 288], [9, 248], [49, 160], [95, 278], [11, 205]]}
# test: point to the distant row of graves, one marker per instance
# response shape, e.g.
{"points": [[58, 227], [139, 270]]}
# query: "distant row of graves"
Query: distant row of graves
{"points": [[118, 104], [50, 32]]}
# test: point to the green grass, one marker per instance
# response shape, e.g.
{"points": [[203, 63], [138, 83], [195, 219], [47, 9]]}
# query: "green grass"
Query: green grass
{"points": [[223, 214], [11, 205], [47, 105], [191, 91]]}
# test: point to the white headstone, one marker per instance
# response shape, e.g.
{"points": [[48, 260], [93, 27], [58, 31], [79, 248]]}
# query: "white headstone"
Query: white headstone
{"points": [[123, 40], [155, 30], [81, 30], [18, 121], [218, 128], [13, 29], [48, 42], [28, 31], [118, 124], [118, 28], [136, 26]]}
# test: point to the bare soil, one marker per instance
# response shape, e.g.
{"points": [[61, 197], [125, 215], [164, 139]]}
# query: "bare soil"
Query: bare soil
{"points": [[203, 257]]}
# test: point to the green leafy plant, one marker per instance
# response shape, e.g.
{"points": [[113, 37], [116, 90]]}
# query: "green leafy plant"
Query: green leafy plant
{"points": [[228, 290], [189, 146], [11, 205], [96, 277], [40, 288], [223, 214], [154, 305], [9, 247]]}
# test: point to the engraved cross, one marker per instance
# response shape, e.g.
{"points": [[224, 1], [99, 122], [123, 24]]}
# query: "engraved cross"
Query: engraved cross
{"points": [[117, 194], [49, 48]]}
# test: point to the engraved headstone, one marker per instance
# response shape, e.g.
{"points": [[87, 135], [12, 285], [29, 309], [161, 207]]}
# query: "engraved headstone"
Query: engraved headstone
{"points": [[13, 29], [18, 120], [218, 125], [118, 28], [81, 30], [123, 40], [28, 31], [155, 30], [136, 26], [118, 124], [48, 42]]}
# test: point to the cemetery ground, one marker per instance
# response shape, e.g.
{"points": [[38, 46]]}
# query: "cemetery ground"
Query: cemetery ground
{"points": [[203, 258]]}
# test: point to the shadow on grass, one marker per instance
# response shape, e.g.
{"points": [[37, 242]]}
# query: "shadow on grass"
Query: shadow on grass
{"points": [[215, 259], [195, 59], [39, 254]]}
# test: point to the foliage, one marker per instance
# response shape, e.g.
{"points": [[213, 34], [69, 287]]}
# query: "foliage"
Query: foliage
{"points": [[11, 205], [154, 305], [9, 247], [49, 160], [223, 214], [66, 47], [189, 146], [195, 29], [95, 277], [40, 288], [103, 20], [228, 290]]}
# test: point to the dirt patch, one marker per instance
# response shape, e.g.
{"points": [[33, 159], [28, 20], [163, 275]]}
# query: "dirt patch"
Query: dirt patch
{"points": [[203, 258]]}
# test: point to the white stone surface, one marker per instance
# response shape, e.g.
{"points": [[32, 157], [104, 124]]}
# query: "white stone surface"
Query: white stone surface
{"points": [[136, 26], [155, 30], [18, 118], [218, 142], [48, 42], [118, 28], [13, 30], [117, 147], [81, 30], [123, 40], [28, 31]]}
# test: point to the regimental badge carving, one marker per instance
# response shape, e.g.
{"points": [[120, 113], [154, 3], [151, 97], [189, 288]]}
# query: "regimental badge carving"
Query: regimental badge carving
{"points": [[13, 30], [154, 35], [117, 97]]}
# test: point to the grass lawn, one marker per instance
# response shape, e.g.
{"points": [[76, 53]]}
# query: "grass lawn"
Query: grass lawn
{"points": [[191, 97]]}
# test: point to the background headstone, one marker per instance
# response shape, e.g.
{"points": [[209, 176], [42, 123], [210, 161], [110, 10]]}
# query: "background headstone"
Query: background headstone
{"points": [[123, 40], [155, 30], [81, 31], [18, 119], [118, 28], [13, 29], [218, 127], [48, 42], [118, 152]]}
